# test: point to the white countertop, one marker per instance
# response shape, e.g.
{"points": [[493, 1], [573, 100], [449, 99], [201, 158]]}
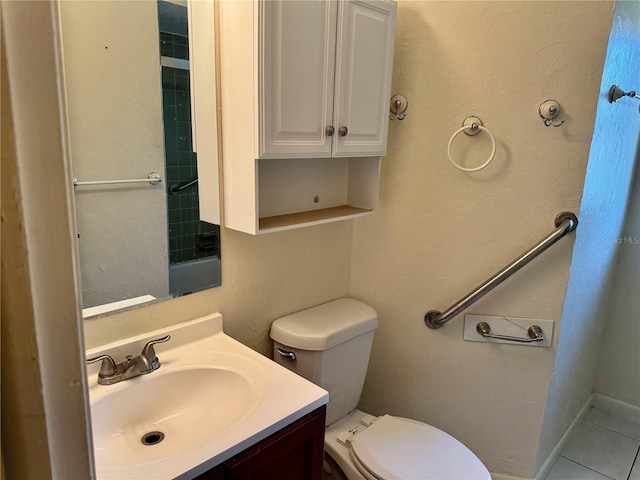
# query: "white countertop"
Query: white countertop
{"points": [[282, 397]]}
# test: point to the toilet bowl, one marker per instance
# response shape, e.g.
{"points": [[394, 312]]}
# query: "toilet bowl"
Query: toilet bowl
{"points": [[330, 346], [397, 448]]}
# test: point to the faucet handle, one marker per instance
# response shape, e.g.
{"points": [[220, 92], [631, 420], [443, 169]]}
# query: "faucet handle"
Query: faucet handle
{"points": [[108, 367], [149, 352]]}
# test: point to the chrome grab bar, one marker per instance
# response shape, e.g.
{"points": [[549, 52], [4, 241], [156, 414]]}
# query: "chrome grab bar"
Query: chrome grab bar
{"points": [[565, 222]]}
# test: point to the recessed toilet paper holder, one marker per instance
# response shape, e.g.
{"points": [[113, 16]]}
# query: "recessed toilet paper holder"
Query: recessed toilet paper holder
{"points": [[535, 334]]}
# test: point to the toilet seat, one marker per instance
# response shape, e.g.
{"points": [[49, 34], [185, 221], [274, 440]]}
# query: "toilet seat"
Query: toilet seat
{"points": [[394, 448]]}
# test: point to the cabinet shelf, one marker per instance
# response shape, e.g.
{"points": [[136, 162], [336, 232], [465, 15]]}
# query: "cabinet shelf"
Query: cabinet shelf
{"points": [[312, 217]]}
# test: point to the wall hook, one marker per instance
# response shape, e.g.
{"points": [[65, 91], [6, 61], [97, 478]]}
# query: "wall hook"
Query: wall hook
{"points": [[548, 111], [398, 108]]}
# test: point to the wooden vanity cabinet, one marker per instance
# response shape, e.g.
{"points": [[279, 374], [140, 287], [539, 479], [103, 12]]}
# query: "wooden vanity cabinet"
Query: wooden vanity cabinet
{"points": [[305, 92], [294, 453], [216, 473]]}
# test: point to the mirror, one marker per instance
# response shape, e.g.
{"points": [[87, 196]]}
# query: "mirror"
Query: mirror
{"points": [[127, 75]]}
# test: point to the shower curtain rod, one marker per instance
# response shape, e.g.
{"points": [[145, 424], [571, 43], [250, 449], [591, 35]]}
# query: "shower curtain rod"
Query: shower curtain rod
{"points": [[153, 178]]}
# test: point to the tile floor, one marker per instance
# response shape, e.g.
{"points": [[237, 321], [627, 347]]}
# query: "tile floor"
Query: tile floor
{"points": [[603, 447]]}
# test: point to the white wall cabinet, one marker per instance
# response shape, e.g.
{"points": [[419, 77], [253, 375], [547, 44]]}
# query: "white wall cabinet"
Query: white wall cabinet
{"points": [[324, 78], [305, 89]]}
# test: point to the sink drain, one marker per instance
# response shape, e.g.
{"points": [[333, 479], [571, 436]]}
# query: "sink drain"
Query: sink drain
{"points": [[152, 438]]}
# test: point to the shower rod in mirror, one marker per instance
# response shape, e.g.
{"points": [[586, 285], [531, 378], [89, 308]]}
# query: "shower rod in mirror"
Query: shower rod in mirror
{"points": [[152, 177]]}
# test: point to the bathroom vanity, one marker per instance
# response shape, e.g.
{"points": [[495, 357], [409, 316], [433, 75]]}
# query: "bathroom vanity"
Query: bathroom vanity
{"points": [[213, 409]]}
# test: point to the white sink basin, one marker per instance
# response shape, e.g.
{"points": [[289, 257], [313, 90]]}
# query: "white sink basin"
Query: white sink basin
{"points": [[166, 412], [211, 398]]}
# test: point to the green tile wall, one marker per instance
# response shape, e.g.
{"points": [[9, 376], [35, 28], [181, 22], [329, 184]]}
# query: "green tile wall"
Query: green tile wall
{"points": [[189, 238]]}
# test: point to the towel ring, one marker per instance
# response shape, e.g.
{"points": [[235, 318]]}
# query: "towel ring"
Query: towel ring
{"points": [[476, 127]]}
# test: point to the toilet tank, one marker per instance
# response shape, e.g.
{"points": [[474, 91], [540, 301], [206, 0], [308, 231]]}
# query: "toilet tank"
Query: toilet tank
{"points": [[331, 343]]}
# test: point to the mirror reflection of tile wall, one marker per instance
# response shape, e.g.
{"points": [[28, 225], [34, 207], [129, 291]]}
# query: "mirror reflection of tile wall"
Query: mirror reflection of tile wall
{"points": [[189, 238]]}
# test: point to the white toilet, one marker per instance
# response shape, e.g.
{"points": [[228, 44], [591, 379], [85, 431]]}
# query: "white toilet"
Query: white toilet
{"points": [[330, 345]]}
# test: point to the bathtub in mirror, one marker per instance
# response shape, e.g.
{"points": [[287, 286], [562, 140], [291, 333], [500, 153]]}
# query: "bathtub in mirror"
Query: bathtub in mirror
{"points": [[130, 86]]}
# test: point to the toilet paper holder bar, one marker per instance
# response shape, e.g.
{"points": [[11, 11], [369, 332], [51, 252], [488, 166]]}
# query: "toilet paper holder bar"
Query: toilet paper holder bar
{"points": [[535, 334]]}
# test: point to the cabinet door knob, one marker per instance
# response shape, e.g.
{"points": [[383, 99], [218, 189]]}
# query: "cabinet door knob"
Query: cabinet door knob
{"points": [[343, 131], [330, 131]]}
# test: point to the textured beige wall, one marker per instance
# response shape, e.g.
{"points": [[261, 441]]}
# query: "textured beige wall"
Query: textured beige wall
{"points": [[440, 232], [263, 278], [111, 57]]}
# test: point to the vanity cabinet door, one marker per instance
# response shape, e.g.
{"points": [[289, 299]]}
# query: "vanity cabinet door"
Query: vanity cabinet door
{"points": [[296, 72], [294, 453], [216, 473], [364, 63]]}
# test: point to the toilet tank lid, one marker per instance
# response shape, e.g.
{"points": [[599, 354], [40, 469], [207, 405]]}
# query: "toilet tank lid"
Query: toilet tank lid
{"points": [[325, 326]]}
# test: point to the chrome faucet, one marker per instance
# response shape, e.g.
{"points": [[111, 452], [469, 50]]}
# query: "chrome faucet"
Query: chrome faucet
{"points": [[132, 367]]}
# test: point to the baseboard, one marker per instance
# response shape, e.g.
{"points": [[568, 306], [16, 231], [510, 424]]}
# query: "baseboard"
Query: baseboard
{"points": [[618, 407], [555, 453]]}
